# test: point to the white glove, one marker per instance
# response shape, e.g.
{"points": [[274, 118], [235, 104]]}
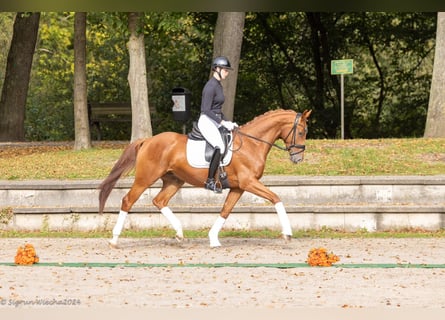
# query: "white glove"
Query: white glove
{"points": [[229, 125]]}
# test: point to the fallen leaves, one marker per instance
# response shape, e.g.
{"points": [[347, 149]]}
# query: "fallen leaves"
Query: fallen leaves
{"points": [[36, 160], [26, 255], [321, 258]]}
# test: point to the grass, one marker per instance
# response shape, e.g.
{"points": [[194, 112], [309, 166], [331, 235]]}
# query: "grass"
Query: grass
{"points": [[59, 164], [322, 157], [325, 233], [365, 158]]}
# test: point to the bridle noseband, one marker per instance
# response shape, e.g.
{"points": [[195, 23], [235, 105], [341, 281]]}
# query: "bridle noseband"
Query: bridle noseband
{"points": [[292, 131]]}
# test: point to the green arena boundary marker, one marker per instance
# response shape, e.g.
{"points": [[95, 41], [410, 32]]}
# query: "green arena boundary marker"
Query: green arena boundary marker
{"points": [[223, 265]]}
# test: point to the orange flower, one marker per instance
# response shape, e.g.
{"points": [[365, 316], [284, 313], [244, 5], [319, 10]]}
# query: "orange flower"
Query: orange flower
{"points": [[26, 255], [320, 257]]}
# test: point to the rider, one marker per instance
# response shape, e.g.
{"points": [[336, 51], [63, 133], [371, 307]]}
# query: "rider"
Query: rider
{"points": [[212, 118]]}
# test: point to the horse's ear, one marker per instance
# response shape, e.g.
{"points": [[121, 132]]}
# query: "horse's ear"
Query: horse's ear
{"points": [[307, 113]]}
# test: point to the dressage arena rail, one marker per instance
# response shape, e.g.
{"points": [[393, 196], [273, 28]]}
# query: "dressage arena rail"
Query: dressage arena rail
{"points": [[347, 203]]}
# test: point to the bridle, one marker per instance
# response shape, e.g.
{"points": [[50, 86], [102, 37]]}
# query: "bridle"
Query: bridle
{"points": [[294, 144], [292, 131]]}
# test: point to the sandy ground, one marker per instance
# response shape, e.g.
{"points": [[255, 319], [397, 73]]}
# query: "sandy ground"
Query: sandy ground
{"points": [[232, 287]]}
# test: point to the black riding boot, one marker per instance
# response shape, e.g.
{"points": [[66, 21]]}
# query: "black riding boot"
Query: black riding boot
{"points": [[214, 164]]}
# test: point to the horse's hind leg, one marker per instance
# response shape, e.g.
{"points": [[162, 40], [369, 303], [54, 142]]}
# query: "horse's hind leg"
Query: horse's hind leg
{"points": [[127, 202], [171, 184]]}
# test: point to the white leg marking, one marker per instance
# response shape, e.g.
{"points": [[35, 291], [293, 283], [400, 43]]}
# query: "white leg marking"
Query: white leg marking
{"points": [[284, 219], [214, 231], [176, 224], [118, 228]]}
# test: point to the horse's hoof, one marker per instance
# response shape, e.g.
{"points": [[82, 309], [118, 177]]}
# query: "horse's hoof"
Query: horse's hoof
{"points": [[112, 244], [287, 238], [214, 242], [179, 238]]}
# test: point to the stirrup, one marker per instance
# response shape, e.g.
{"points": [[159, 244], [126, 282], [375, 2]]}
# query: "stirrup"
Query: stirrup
{"points": [[211, 184]]}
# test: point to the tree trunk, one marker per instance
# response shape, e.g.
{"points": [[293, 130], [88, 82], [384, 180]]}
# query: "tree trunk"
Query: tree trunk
{"points": [[382, 87], [81, 125], [137, 79], [321, 58], [435, 120], [315, 24], [227, 42], [17, 75]]}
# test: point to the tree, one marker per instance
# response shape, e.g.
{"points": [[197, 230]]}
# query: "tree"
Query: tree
{"points": [[6, 24], [284, 63], [321, 50], [49, 105], [17, 75], [227, 42], [435, 120], [137, 79], [82, 139]]}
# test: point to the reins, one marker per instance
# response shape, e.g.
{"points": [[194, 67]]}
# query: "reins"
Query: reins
{"points": [[293, 130], [238, 131]]}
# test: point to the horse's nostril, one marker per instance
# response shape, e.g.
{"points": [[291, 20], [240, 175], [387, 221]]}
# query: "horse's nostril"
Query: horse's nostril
{"points": [[296, 159]]}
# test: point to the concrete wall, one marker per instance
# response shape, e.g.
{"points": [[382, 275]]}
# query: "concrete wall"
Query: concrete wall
{"points": [[347, 203]]}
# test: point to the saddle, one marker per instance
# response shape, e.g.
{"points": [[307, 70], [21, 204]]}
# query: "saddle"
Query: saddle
{"points": [[199, 152], [196, 135]]}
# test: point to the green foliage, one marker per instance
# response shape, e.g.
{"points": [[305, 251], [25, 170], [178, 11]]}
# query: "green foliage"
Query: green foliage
{"points": [[404, 47], [6, 23], [285, 63], [49, 113], [6, 215], [107, 67], [178, 55]]}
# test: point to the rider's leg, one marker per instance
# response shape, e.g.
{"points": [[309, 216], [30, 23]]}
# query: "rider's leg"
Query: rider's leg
{"points": [[209, 130], [214, 164]]}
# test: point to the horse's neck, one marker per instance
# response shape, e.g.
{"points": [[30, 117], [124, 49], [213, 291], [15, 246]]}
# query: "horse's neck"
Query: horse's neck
{"points": [[267, 128]]}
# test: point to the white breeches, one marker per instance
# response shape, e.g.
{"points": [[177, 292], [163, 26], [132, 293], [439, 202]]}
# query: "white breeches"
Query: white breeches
{"points": [[209, 130]]}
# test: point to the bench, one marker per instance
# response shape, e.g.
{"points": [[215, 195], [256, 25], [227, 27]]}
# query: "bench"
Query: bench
{"points": [[100, 112]]}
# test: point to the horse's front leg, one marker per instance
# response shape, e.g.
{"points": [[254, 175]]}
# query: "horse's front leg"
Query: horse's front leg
{"points": [[259, 189], [232, 198]]}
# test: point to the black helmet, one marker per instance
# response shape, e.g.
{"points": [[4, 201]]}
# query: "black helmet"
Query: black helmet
{"points": [[221, 62]]}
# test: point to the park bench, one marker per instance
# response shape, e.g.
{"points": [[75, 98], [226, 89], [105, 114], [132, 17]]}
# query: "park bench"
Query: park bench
{"points": [[101, 112]]}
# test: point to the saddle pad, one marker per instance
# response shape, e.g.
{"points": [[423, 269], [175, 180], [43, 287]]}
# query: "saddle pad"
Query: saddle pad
{"points": [[196, 154]]}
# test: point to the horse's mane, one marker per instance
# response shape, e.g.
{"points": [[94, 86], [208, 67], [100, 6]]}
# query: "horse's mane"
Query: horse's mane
{"points": [[264, 115]]}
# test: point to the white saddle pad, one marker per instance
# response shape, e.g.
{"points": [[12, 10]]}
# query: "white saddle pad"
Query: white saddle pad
{"points": [[195, 154]]}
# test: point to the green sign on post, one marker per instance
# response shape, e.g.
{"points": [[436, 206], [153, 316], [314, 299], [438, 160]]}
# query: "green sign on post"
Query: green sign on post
{"points": [[345, 66], [342, 67]]}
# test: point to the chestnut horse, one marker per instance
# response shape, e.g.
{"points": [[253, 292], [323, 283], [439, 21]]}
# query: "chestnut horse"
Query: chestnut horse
{"points": [[163, 156]]}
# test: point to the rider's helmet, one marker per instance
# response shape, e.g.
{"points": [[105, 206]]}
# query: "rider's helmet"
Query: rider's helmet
{"points": [[221, 62]]}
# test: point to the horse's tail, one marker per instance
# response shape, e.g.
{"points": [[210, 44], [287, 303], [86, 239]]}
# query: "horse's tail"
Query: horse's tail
{"points": [[124, 165]]}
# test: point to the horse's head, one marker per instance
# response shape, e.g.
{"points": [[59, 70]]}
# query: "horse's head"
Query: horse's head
{"points": [[295, 137]]}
